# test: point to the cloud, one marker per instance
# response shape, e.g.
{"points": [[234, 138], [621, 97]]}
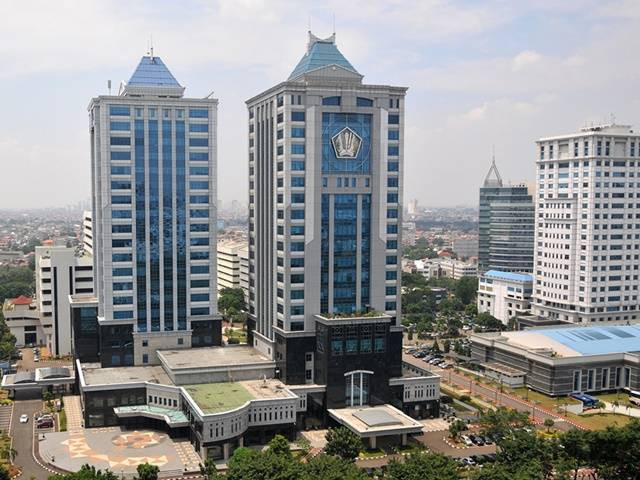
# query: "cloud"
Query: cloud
{"points": [[525, 59]]}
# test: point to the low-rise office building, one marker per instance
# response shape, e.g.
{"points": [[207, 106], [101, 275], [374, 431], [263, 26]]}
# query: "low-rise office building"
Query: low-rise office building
{"points": [[565, 360], [22, 317], [504, 294], [227, 397]]}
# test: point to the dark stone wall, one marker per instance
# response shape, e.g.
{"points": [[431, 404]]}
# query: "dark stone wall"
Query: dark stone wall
{"points": [[290, 357]]}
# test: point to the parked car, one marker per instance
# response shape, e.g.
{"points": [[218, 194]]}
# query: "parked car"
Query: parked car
{"points": [[468, 461], [467, 441], [47, 423], [24, 418]]}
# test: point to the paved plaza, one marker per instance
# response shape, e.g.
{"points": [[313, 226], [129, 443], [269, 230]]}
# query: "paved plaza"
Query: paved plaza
{"points": [[119, 450]]}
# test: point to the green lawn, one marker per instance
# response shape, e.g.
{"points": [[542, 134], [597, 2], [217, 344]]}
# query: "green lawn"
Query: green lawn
{"points": [[600, 421], [543, 400], [378, 452], [218, 397], [622, 398], [62, 418]]}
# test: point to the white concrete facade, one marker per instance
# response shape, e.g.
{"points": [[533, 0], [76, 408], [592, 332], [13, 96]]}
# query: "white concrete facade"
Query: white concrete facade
{"points": [[587, 245], [60, 272], [504, 295]]}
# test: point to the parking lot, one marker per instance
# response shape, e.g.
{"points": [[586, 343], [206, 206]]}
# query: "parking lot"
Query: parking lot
{"points": [[436, 442]]}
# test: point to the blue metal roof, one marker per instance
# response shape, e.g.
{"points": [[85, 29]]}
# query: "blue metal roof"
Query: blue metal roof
{"points": [[596, 340], [515, 277], [321, 53], [152, 72]]}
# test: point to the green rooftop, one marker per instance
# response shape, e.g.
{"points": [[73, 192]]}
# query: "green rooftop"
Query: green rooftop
{"points": [[173, 416], [218, 397]]}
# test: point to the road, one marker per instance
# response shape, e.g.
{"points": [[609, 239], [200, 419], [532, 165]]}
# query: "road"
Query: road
{"points": [[491, 394], [22, 434]]}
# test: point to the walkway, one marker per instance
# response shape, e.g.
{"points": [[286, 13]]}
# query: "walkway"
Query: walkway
{"points": [[73, 409], [622, 410]]}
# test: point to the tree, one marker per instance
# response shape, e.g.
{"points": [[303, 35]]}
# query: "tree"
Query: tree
{"points": [[471, 310], [231, 300], [279, 445], [435, 348], [4, 474], [326, 467], [423, 466], [247, 464], [456, 428], [446, 346], [147, 471], [489, 322], [549, 423], [86, 472], [466, 289], [500, 422], [343, 443], [209, 470]]}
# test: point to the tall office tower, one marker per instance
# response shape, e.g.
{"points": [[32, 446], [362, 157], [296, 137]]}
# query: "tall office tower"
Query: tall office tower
{"points": [[60, 272], [325, 208], [587, 226], [153, 160], [505, 226]]}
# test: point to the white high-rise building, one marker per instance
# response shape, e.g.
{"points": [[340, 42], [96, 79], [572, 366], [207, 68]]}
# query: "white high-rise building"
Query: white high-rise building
{"points": [[587, 234], [60, 272], [154, 216]]}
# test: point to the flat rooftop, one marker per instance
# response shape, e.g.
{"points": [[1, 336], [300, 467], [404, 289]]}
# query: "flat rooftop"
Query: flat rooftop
{"points": [[579, 341], [212, 357], [221, 397], [509, 276], [374, 421], [96, 375]]}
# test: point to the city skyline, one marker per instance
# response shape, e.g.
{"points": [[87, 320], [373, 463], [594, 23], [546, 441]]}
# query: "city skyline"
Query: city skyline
{"points": [[450, 59]]}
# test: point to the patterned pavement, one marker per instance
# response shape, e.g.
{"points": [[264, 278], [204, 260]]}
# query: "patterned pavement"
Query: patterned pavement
{"points": [[73, 410], [118, 450], [5, 417]]}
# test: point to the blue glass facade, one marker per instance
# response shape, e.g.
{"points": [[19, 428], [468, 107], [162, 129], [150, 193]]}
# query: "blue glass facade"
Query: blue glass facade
{"points": [[154, 226], [181, 221], [140, 239], [167, 222], [345, 251], [332, 124]]}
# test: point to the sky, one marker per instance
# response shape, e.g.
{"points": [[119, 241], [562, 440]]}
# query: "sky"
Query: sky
{"points": [[482, 75]]}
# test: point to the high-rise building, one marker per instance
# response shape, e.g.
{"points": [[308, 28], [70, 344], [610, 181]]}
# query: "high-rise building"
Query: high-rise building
{"points": [[228, 273], [153, 160], [60, 272], [505, 225], [87, 232], [325, 216], [587, 241]]}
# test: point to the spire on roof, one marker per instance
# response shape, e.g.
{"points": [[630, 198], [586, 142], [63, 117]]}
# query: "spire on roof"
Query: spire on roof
{"points": [[321, 52], [496, 181]]}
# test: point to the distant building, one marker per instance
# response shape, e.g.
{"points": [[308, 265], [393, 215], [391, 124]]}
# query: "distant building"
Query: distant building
{"points": [[9, 256], [87, 232], [445, 267], [457, 269], [505, 226], [408, 233], [465, 247], [229, 264], [412, 207], [243, 253], [60, 272], [22, 317], [505, 294]]}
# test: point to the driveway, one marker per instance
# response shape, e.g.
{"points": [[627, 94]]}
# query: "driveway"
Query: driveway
{"points": [[22, 434], [435, 442]]}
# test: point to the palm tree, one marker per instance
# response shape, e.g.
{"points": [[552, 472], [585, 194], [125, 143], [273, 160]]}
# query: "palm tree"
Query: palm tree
{"points": [[8, 452]]}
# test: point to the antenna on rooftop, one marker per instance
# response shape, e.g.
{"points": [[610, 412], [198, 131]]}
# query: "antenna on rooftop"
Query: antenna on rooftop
{"points": [[151, 49], [334, 24], [109, 86]]}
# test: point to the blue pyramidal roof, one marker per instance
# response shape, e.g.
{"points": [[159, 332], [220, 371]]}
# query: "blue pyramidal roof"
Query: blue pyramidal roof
{"points": [[151, 72], [321, 53]]}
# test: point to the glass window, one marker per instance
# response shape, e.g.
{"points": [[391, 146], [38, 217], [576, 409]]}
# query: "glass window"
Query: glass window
{"points": [[364, 102], [198, 113], [121, 213], [394, 135], [120, 126], [120, 155], [297, 116], [331, 101], [297, 181], [198, 142], [119, 110], [120, 141], [199, 269], [393, 150], [199, 156], [297, 198], [199, 185], [394, 119], [393, 166], [198, 127], [120, 170], [297, 149], [198, 171]]}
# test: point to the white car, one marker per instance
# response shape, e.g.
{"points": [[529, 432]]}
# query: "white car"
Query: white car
{"points": [[24, 418]]}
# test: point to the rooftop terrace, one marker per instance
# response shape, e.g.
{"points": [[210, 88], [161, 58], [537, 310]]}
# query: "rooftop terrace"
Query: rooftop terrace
{"points": [[95, 375], [211, 357], [221, 397]]}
